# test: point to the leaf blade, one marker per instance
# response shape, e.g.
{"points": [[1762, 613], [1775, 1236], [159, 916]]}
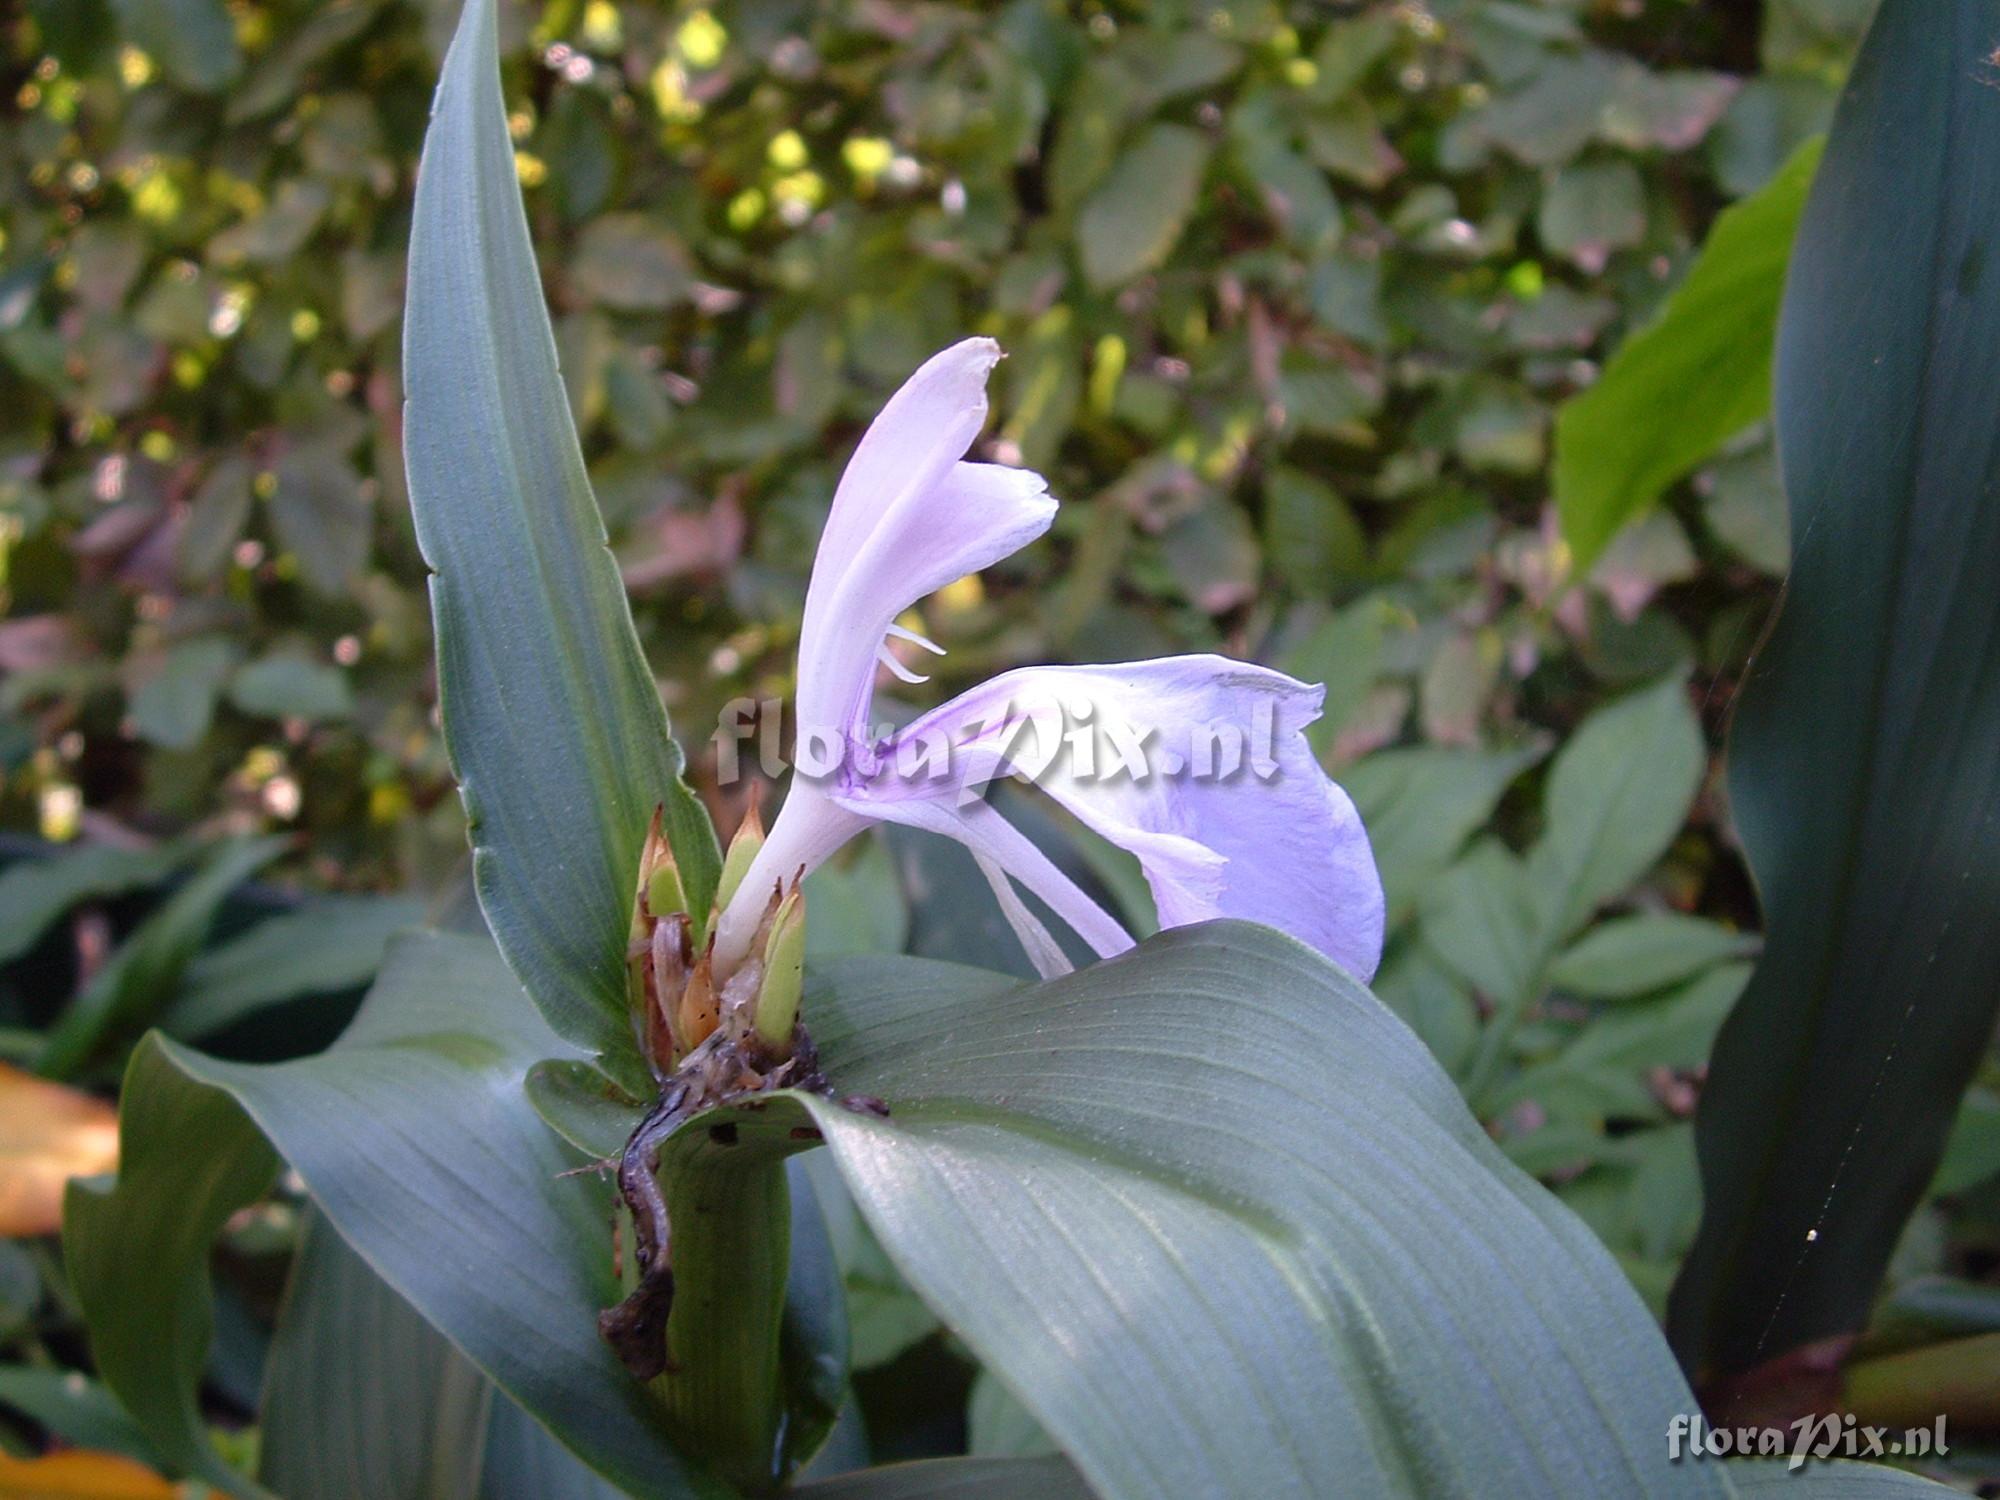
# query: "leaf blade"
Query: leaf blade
{"points": [[552, 718], [1863, 791], [1036, 1149], [1678, 388], [187, 1163]]}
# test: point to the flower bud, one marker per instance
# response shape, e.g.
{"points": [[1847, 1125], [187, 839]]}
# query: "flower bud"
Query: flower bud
{"points": [[743, 848], [777, 1010], [656, 946], [659, 892]]}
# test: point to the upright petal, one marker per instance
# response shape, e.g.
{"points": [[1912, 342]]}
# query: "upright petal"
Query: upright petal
{"points": [[1198, 765], [908, 517]]}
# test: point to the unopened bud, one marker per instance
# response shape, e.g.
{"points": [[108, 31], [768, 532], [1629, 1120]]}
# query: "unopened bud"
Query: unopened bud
{"points": [[659, 892], [784, 974], [744, 846]]}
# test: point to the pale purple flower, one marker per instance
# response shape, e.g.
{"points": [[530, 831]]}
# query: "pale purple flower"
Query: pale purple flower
{"points": [[1274, 841]]}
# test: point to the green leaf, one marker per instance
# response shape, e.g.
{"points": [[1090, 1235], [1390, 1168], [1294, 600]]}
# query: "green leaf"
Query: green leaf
{"points": [[999, 1426], [279, 76], [429, 1082], [551, 715], [1616, 796], [884, 1316], [631, 262], [856, 905], [142, 975], [361, 1396], [1837, 1479], [417, 1141], [174, 701], [323, 517], [957, 1479], [1133, 219], [276, 232], [290, 684], [1342, 654], [1696, 376], [330, 944], [1972, 1150], [1019, 1109], [75, 33], [523, 1462], [137, 1253], [1480, 918], [34, 892], [1942, 1306], [1745, 508], [1673, 1031], [1433, 1002], [1310, 535], [1636, 955], [1864, 783], [1554, 117], [194, 40], [1591, 209], [1421, 805], [216, 518], [1035, 1147], [76, 1409]]}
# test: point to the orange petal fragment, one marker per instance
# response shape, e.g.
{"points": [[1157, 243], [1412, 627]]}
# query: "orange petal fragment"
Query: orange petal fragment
{"points": [[48, 1134], [79, 1475]]}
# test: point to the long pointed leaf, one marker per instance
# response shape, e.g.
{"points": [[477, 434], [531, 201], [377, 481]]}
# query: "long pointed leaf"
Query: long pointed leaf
{"points": [[1865, 756], [553, 720]]}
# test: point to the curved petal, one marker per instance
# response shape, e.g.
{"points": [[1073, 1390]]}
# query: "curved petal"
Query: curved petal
{"points": [[907, 519], [1196, 764], [998, 844]]}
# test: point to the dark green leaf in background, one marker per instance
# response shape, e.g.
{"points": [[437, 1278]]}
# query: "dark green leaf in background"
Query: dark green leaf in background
{"points": [[291, 685], [957, 1479], [322, 516], [1635, 955], [330, 944], [34, 892], [1134, 218], [1865, 755], [194, 40], [1616, 796], [141, 976], [173, 699]]}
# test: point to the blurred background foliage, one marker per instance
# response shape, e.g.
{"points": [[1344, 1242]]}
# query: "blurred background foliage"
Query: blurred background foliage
{"points": [[1291, 294]]}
